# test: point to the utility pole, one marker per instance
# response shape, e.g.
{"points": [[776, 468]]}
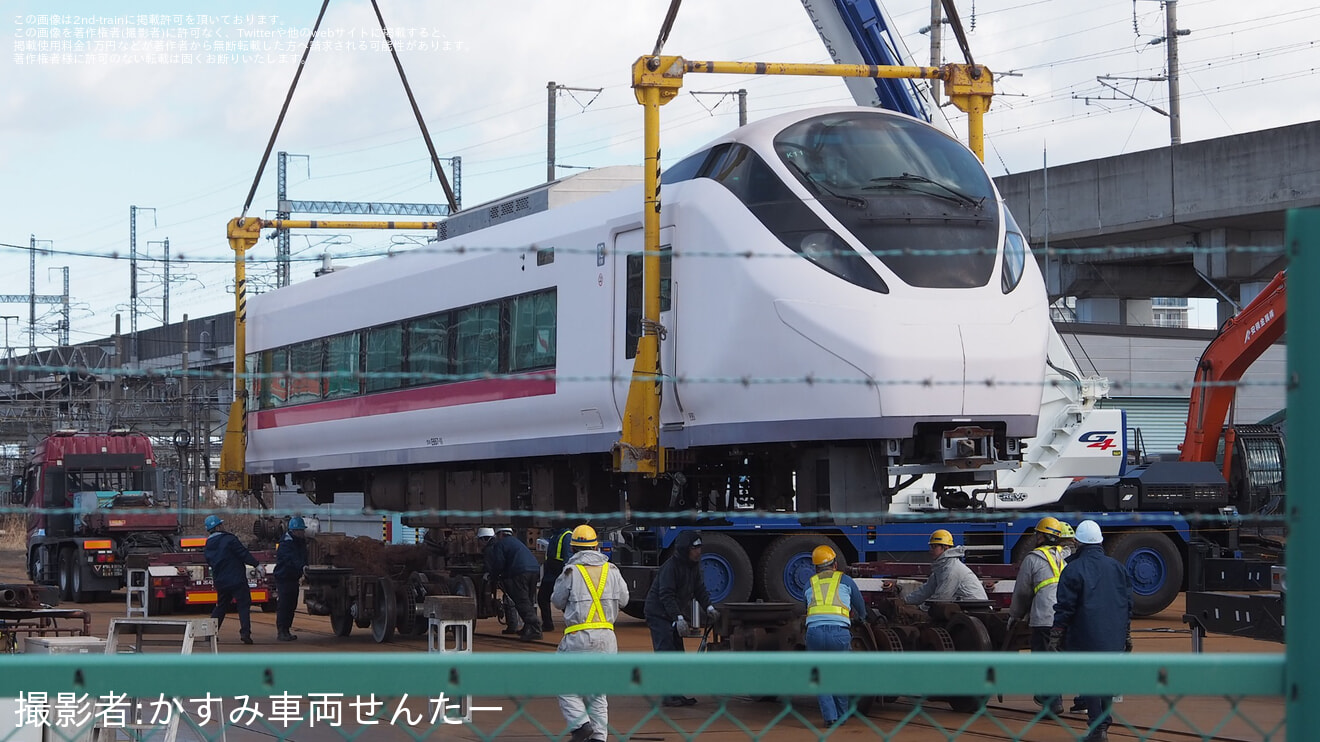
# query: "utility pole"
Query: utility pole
{"points": [[32, 293], [1171, 34], [165, 300], [64, 305], [551, 92], [936, 53], [282, 259], [133, 278]]}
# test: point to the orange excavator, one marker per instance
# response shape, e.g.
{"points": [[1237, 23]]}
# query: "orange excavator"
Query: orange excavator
{"points": [[1251, 456]]}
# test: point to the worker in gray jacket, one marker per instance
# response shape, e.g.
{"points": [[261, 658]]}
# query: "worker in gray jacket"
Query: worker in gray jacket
{"points": [[949, 579], [1035, 589], [590, 591]]}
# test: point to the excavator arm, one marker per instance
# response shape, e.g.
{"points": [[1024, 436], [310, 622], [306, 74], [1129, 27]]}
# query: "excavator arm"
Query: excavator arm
{"points": [[1240, 342]]}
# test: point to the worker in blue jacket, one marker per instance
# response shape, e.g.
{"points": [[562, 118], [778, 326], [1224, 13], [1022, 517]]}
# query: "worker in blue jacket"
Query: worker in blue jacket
{"points": [[227, 557], [512, 563], [833, 603], [676, 586], [557, 551], [290, 561], [1093, 613]]}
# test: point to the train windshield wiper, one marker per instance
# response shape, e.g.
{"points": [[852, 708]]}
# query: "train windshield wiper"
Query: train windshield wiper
{"points": [[906, 179], [817, 186]]}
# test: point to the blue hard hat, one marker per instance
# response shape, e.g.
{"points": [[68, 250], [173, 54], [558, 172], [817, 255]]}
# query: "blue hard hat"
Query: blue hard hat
{"points": [[213, 522], [297, 524]]}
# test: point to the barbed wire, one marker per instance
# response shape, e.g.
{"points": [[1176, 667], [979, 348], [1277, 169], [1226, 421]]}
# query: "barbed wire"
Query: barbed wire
{"points": [[1113, 251], [422, 377], [832, 519]]}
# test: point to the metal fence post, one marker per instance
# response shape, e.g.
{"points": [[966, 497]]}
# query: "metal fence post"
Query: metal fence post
{"points": [[1303, 644]]}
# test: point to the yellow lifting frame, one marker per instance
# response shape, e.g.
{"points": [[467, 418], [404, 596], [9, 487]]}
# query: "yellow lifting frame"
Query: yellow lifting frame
{"points": [[656, 80], [243, 234]]}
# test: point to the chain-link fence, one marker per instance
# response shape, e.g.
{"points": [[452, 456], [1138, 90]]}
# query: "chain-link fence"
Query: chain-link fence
{"points": [[754, 696]]}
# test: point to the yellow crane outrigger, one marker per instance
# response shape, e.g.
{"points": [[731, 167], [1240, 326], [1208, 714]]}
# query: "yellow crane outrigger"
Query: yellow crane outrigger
{"points": [[243, 234], [656, 81]]}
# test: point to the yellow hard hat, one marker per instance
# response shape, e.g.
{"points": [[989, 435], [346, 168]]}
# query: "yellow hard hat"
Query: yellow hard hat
{"points": [[822, 555], [584, 537], [1050, 526], [941, 537], [1065, 530]]}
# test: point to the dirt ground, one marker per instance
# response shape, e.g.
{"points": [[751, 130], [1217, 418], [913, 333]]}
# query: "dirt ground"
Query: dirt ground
{"points": [[742, 718]]}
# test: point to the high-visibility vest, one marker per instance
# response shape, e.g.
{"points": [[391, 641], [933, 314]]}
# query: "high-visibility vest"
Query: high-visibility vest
{"points": [[597, 611], [559, 545], [825, 599], [1055, 560]]}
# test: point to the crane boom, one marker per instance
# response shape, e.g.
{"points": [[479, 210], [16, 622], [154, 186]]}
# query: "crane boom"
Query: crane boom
{"points": [[858, 32], [1240, 342]]}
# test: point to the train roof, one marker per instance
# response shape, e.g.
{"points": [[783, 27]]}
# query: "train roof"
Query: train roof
{"points": [[540, 198]]}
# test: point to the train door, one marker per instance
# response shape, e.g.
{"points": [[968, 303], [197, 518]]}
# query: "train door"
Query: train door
{"points": [[628, 247]]}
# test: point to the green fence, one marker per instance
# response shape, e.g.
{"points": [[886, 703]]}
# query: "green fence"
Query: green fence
{"points": [[743, 695], [897, 696]]}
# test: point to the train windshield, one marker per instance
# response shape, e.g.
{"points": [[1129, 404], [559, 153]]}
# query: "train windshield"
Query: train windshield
{"points": [[917, 199]]}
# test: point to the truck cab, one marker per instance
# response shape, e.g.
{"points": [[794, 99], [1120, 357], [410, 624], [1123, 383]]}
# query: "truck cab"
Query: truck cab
{"points": [[86, 494]]}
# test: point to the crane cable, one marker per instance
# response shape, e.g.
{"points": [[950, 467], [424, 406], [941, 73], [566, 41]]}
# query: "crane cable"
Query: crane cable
{"points": [[302, 63], [666, 27], [951, 11], [426, 135]]}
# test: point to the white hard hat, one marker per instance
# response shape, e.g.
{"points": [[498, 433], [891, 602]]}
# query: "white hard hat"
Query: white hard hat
{"points": [[1088, 532], [505, 529], [485, 532]]}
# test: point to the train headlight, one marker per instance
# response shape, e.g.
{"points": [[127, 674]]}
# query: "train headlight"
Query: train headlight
{"points": [[1015, 260], [1015, 254], [827, 250]]}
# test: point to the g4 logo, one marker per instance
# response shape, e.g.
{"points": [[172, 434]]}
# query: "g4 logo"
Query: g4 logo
{"points": [[1101, 439]]}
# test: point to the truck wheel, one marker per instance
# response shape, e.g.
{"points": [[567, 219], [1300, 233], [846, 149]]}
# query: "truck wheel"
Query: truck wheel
{"points": [[76, 591], [727, 569], [342, 623], [66, 574], [1154, 566], [786, 569], [382, 624]]}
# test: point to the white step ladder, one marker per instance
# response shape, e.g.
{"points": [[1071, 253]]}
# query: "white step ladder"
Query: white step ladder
{"points": [[450, 615], [134, 635]]}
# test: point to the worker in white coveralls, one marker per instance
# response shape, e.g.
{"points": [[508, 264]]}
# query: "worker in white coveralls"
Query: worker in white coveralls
{"points": [[590, 591]]}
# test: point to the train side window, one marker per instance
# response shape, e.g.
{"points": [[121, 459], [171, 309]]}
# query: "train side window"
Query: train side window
{"points": [[477, 346], [384, 357], [341, 366], [633, 317], [685, 169], [252, 367], [306, 362], [428, 349], [275, 369], [773, 204], [532, 331]]}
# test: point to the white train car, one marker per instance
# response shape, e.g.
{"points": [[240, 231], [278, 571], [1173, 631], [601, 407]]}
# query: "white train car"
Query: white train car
{"points": [[847, 304]]}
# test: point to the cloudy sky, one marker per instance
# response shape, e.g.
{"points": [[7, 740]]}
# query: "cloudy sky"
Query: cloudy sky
{"points": [[104, 105]]}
